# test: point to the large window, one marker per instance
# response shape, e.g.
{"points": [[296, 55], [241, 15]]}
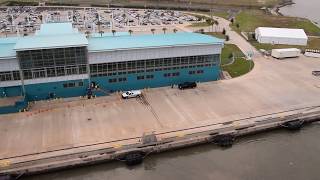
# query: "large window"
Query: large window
{"points": [[53, 62], [5, 76], [16, 75], [151, 65], [51, 72], [60, 71], [39, 73], [27, 74]]}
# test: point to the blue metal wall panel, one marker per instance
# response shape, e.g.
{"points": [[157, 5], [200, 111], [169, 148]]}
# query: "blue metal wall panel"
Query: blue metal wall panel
{"points": [[10, 91], [41, 91], [209, 74]]}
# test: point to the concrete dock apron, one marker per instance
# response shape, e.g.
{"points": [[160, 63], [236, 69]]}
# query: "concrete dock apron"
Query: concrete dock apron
{"points": [[274, 91]]}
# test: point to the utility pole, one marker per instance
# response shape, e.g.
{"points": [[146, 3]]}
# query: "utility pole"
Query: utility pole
{"points": [[108, 3], [211, 13], [112, 22]]}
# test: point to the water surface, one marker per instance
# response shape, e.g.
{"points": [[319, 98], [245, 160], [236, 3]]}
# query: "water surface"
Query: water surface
{"points": [[277, 155], [304, 8]]}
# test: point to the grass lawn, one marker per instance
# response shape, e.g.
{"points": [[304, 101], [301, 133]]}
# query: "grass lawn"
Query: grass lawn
{"points": [[223, 14], [313, 43], [239, 67], [249, 20], [216, 34], [227, 50], [258, 46], [199, 24]]}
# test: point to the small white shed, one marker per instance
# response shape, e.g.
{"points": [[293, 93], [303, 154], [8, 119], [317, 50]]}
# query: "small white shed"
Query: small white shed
{"points": [[287, 36]]}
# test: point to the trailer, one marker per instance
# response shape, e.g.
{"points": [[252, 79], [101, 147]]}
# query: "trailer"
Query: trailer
{"points": [[285, 53], [312, 53]]}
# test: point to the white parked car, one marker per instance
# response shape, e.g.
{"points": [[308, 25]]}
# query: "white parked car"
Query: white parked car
{"points": [[131, 94]]}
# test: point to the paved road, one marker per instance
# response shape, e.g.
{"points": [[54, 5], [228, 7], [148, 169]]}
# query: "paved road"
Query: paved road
{"points": [[235, 38]]}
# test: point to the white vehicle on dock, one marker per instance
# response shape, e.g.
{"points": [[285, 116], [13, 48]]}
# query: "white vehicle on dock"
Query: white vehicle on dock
{"points": [[131, 94], [285, 53]]}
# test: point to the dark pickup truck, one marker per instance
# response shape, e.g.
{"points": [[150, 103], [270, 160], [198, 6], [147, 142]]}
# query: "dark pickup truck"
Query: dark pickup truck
{"points": [[316, 73], [187, 85]]}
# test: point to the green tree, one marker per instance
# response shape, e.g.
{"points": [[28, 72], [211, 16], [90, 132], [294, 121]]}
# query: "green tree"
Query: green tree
{"points": [[101, 32], [164, 30], [153, 30], [10, 19], [211, 22], [87, 33], [217, 24], [130, 32], [113, 32], [201, 31], [175, 30], [99, 23], [224, 31], [227, 38]]}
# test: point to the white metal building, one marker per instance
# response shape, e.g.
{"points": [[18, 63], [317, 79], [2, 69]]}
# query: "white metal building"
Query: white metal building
{"points": [[59, 61], [287, 36]]}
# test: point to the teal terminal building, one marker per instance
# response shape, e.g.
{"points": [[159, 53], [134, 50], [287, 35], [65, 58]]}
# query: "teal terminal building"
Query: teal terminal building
{"points": [[60, 62]]}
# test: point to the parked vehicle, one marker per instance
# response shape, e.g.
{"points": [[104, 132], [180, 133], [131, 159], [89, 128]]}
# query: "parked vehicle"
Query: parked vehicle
{"points": [[316, 73], [187, 85], [285, 53], [131, 94]]}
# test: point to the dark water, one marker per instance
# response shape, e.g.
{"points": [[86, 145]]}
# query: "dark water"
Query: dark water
{"points": [[277, 155], [304, 8]]}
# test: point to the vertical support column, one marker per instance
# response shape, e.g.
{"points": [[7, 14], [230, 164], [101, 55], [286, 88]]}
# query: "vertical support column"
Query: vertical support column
{"points": [[88, 65], [21, 75], [219, 65]]}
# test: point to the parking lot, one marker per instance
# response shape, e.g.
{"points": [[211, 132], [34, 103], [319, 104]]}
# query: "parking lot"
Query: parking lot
{"points": [[26, 20]]}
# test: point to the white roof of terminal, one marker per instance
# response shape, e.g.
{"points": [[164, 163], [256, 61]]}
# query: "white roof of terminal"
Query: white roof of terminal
{"points": [[47, 42], [281, 32], [52, 35], [56, 29], [6, 47], [110, 43], [58, 35]]}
